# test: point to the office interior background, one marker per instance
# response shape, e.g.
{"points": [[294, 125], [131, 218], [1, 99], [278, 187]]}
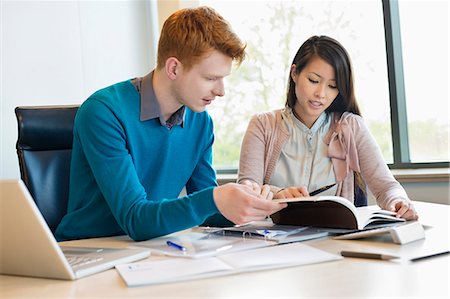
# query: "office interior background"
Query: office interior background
{"points": [[60, 52]]}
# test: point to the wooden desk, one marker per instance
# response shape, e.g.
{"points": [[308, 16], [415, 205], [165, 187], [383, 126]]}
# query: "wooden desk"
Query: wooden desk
{"points": [[349, 277]]}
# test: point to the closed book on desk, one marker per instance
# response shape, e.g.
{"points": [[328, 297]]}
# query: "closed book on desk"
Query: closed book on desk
{"points": [[332, 212]]}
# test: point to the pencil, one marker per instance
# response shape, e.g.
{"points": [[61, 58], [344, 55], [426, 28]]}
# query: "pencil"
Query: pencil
{"points": [[368, 255]]}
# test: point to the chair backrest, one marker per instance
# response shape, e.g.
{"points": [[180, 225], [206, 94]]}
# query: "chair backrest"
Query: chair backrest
{"points": [[361, 197], [44, 149]]}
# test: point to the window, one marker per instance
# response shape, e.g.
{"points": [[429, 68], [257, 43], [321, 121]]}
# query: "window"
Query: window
{"points": [[274, 30], [424, 32], [401, 70]]}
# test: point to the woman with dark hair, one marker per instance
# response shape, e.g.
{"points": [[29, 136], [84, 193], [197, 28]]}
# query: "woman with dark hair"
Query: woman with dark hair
{"points": [[319, 138]]}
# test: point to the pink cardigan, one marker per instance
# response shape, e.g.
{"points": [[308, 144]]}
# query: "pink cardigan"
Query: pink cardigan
{"points": [[351, 147]]}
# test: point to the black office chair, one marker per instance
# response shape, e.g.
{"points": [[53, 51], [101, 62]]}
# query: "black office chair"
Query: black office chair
{"points": [[44, 149], [360, 197]]}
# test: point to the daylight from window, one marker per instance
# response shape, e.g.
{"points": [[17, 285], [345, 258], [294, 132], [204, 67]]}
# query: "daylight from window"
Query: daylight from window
{"points": [[273, 31], [426, 70]]}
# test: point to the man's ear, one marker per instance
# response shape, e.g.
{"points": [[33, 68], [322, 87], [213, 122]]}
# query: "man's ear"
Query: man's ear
{"points": [[173, 67]]}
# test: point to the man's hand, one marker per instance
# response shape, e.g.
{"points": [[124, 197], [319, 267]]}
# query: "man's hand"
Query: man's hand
{"points": [[241, 204]]}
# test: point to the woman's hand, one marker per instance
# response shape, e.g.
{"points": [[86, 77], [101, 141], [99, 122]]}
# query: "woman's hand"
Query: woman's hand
{"points": [[404, 209], [264, 191], [291, 192]]}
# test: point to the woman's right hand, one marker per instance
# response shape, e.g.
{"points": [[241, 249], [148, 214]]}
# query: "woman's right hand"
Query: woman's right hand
{"points": [[291, 192]]}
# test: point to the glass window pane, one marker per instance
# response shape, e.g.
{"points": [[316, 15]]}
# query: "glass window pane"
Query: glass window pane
{"points": [[424, 29], [274, 30]]}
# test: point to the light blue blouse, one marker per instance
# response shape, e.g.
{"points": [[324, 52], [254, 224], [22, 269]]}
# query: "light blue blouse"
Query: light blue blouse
{"points": [[303, 159]]}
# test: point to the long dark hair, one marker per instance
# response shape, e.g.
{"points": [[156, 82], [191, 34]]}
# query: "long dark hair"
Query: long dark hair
{"points": [[334, 54]]}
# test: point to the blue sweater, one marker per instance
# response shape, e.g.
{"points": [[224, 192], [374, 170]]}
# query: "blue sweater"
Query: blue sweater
{"points": [[126, 173]]}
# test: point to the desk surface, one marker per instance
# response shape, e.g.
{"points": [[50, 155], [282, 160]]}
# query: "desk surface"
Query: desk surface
{"points": [[349, 277]]}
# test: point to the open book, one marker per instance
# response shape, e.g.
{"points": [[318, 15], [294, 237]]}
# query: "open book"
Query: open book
{"points": [[332, 212]]}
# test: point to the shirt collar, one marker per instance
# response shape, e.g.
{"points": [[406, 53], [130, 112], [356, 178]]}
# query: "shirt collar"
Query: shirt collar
{"points": [[150, 107], [321, 120]]}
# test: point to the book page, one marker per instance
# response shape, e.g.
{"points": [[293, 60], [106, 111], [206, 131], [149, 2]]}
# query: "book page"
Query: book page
{"points": [[374, 215]]}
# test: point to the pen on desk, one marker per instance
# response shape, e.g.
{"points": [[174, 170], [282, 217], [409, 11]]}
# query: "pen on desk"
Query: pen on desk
{"points": [[175, 245], [429, 256], [368, 255], [320, 190]]}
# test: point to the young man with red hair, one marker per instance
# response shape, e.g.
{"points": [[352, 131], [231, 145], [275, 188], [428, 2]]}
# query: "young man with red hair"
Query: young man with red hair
{"points": [[137, 143]]}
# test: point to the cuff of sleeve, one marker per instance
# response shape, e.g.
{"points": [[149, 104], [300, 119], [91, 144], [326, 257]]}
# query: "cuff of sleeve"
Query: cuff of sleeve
{"points": [[275, 189], [204, 202]]}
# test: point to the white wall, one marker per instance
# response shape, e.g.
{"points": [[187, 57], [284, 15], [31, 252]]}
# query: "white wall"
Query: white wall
{"points": [[60, 52]]}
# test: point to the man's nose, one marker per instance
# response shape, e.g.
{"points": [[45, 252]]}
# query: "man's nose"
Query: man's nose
{"points": [[219, 89]]}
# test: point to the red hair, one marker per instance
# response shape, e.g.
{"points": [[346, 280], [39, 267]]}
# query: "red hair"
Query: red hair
{"points": [[190, 34]]}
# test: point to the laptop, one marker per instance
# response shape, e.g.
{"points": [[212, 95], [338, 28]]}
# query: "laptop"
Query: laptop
{"points": [[28, 247]]}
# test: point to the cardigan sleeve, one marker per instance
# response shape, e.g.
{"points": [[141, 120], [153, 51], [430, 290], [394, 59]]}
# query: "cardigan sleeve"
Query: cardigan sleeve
{"points": [[251, 162], [261, 148], [374, 170]]}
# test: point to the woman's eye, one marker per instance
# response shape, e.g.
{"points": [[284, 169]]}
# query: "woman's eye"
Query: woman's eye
{"points": [[332, 87], [313, 81]]}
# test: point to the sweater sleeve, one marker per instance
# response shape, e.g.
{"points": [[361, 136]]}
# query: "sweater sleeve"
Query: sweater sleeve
{"points": [[374, 170], [204, 174], [104, 143]]}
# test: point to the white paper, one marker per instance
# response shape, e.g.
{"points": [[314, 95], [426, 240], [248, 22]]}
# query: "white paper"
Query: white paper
{"points": [[178, 269]]}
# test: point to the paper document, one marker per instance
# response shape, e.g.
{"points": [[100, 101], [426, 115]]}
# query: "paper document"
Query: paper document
{"points": [[179, 269]]}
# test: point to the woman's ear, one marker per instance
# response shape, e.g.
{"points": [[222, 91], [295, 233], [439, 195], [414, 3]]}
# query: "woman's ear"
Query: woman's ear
{"points": [[172, 67], [294, 74]]}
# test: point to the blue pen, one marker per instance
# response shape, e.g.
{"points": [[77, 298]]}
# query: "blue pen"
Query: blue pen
{"points": [[175, 245]]}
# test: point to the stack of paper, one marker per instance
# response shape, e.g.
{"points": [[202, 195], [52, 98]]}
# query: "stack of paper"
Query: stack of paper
{"points": [[179, 269]]}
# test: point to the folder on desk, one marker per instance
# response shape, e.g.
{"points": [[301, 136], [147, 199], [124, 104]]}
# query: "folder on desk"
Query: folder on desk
{"points": [[178, 269], [278, 233]]}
